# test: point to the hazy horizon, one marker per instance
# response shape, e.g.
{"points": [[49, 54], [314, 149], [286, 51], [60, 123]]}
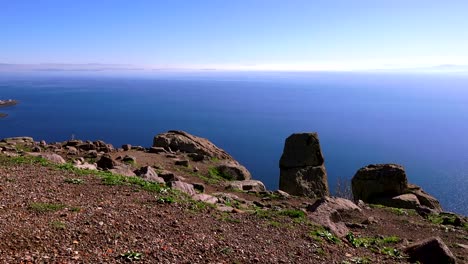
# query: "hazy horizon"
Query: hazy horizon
{"points": [[243, 35]]}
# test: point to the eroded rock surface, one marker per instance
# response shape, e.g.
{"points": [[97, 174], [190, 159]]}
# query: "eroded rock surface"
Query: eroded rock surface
{"points": [[302, 168], [176, 140], [387, 184]]}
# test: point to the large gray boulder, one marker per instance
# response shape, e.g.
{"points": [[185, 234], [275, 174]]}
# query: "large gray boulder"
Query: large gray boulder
{"points": [[329, 212], [232, 170], [302, 168], [430, 251], [379, 180], [176, 140], [388, 185]]}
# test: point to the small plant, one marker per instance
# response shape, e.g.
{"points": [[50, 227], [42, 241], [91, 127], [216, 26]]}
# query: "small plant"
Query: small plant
{"points": [[131, 256], [166, 200], [45, 207], [58, 225], [375, 244], [74, 181], [325, 234]]}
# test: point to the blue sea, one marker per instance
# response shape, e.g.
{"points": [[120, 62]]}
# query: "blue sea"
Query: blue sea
{"points": [[417, 120]]}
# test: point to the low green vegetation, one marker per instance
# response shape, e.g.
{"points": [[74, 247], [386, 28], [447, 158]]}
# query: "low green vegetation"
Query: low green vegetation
{"points": [[131, 256], [74, 181], [58, 225], [375, 244], [322, 233], [215, 173], [397, 211], [45, 207]]}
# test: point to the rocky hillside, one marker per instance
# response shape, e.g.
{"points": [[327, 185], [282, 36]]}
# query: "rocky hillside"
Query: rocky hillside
{"points": [[184, 200]]}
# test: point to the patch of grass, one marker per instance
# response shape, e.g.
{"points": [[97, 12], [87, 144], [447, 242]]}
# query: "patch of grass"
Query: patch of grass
{"points": [[4, 160], [446, 219], [324, 234], [199, 206], [293, 213], [397, 211], [131, 256], [297, 215], [274, 224], [45, 207], [58, 225], [74, 181], [375, 244], [217, 174]]}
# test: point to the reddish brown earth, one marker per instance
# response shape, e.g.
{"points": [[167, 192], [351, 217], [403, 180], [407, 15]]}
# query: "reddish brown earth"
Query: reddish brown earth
{"points": [[97, 223]]}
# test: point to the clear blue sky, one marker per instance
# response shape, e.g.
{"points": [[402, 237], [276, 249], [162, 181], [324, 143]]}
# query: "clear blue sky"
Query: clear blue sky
{"points": [[235, 33]]}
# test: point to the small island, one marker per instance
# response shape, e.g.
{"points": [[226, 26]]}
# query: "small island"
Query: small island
{"points": [[9, 102], [5, 103]]}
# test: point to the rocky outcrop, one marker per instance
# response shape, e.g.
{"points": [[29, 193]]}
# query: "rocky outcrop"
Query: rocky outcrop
{"points": [[175, 140], [302, 169], [149, 174], [232, 170], [54, 158], [380, 180], [430, 251], [106, 162], [387, 184], [328, 212]]}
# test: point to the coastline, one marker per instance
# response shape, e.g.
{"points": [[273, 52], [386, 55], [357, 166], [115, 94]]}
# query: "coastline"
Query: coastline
{"points": [[7, 103]]}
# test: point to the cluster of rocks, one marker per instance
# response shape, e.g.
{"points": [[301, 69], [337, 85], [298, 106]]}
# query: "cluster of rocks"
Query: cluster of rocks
{"points": [[387, 184], [302, 173], [98, 155]]}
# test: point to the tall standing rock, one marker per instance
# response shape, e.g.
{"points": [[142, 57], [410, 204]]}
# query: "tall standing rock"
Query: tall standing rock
{"points": [[302, 168]]}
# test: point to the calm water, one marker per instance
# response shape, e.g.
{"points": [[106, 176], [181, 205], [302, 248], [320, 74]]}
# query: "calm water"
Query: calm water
{"points": [[419, 121]]}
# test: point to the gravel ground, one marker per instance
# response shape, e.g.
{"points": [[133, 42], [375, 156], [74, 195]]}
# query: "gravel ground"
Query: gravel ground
{"points": [[46, 217]]}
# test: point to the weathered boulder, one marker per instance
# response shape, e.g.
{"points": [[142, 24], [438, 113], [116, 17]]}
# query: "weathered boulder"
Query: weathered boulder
{"points": [[106, 162], [302, 169], [205, 198], [430, 251], [246, 185], [18, 140], [149, 174], [126, 147], [52, 157], [157, 150], [183, 187], [232, 170], [388, 185], [176, 140], [380, 180], [122, 170], [330, 211], [129, 159], [408, 200], [85, 166], [424, 198]]}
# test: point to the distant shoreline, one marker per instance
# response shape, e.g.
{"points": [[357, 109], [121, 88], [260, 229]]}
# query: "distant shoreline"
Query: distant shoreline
{"points": [[5, 103], [8, 103]]}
